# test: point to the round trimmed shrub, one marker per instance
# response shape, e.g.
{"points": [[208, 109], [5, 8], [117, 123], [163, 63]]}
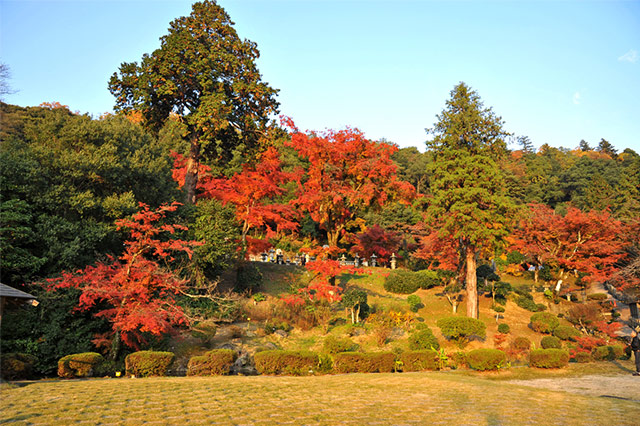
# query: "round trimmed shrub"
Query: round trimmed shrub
{"points": [[544, 322], [461, 328], [486, 359], [215, 362], [583, 357], [426, 360], [548, 358], [358, 362], [401, 281], [148, 363], [423, 338], [79, 365], [16, 366], [608, 352], [566, 332], [504, 328], [427, 278], [521, 343], [333, 345], [499, 309], [296, 363], [550, 342]]}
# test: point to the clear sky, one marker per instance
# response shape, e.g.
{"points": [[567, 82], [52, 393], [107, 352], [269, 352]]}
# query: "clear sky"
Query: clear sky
{"points": [[557, 72]]}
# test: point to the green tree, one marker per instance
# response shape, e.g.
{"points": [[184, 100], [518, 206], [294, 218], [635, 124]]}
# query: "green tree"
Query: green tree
{"points": [[605, 147], [584, 146], [206, 75], [469, 200], [65, 178]]}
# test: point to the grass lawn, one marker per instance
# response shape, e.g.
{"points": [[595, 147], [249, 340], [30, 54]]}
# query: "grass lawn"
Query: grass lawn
{"points": [[407, 398]]}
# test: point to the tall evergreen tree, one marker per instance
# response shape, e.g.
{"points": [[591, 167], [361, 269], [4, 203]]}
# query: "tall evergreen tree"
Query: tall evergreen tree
{"points": [[206, 75], [469, 196]]}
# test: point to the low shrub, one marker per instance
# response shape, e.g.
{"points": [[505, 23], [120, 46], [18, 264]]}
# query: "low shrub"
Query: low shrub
{"points": [[460, 329], [521, 343], [608, 353], [358, 362], [272, 325], [148, 363], [598, 296], [499, 309], [548, 358], [79, 365], [295, 363], [215, 362], [16, 366], [528, 304], [566, 332], [414, 303], [486, 359], [504, 328], [248, 278], [457, 359], [427, 278], [423, 338], [550, 342], [401, 281], [419, 360], [582, 357], [544, 322], [333, 345]]}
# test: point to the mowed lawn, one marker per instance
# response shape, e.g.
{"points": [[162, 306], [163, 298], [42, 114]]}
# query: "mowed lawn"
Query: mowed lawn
{"points": [[407, 398]]}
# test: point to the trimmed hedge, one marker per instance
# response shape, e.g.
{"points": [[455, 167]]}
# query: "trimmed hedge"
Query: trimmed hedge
{"points": [[297, 363], [212, 363], [401, 281], [79, 365], [460, 328], [427, 278], [423, 338], [550, 342], [598, 296], [419, 360], [148, 363], [583, 357], [486, 359], [608, 353], [548, 358], [16, 366], [544, 322], [566, 332], [358, 362]]}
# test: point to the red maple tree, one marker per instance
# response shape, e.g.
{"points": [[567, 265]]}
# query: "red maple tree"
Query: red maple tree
{"points": [[376, 240], [250, 192], [591, 242], [133, 292], [346, 174]]}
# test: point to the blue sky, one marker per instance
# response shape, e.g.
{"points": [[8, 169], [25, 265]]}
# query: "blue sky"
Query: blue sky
{"points": [[557, 72]]}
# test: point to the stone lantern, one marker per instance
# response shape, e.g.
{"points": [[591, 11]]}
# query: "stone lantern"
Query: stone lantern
{"points": [[393, 261]]}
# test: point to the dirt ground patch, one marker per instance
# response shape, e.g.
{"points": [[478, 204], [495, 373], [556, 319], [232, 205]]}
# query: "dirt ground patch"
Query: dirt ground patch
{"points": [[626, 387]]}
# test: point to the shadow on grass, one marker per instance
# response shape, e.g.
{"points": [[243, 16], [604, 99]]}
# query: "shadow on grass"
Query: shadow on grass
{"points": [[22, 417]]}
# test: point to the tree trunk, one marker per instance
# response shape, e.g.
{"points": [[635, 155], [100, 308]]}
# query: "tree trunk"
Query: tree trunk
{"points": [[191, 177], [115, 346], [472, 284]]}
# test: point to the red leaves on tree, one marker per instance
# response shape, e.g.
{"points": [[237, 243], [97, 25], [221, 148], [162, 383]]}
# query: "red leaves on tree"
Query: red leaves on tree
{"points": [[138, 294], [590, 242], [249, 192], [441, 251], [376, 240], [346, 174]]}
